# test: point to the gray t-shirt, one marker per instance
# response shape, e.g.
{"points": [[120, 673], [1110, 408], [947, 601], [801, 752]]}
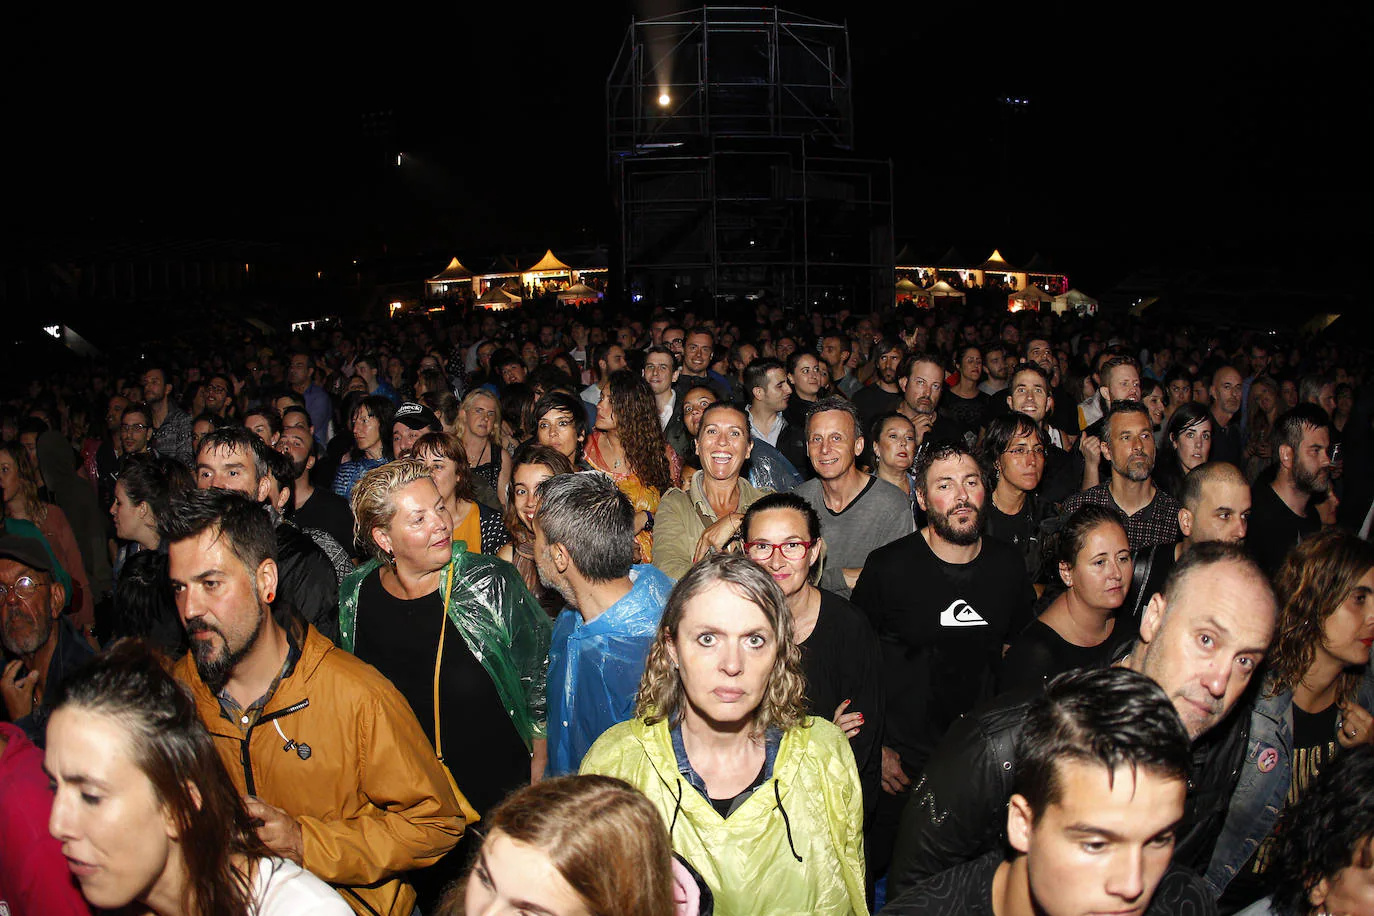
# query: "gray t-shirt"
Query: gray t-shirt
{"points": [[880, 514]]}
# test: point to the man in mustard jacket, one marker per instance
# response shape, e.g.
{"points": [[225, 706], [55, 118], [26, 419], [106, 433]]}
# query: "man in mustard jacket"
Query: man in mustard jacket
{"points": [[327, 752]]}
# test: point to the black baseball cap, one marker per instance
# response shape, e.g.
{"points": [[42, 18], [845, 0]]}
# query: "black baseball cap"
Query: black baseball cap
{"points": [[25, 550], [416, 416]]}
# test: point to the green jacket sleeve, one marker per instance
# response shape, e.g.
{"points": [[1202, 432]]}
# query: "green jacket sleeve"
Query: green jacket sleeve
{"points": [[676, 532]]}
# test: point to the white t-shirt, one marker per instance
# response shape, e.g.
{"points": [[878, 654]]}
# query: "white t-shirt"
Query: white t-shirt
{"points": [[283, 888]]}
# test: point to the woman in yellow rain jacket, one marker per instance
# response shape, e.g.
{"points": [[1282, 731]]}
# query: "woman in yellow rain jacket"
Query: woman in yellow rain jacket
{"points": [[762, 800]]}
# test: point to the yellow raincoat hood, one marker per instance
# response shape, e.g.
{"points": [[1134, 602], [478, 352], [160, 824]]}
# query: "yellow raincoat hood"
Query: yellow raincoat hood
{"points": [[812, 807]]}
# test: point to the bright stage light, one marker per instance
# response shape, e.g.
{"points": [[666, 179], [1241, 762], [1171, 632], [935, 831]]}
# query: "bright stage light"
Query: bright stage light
{"points": [[664, 99]]}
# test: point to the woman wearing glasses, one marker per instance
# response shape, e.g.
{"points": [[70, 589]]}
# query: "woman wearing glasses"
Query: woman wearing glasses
{"points": [[1014, 451], [839, 651]]}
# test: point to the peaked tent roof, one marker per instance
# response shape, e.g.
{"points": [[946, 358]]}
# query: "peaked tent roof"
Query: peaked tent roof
{"points": [[1033, 293], [579, 291], [454, 271], [498, 295], [952, 258], [1075, 296], [944, 289], [996, 262], [906, 285], [549, 262]]}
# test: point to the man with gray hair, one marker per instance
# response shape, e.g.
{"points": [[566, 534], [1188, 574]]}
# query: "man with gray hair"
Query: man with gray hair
{"points": [[584, 549]]}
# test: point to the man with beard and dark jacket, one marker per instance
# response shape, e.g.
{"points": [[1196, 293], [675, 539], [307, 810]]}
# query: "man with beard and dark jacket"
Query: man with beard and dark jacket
{"points": [[945, 601], [884, 394], [1201, 640], [234, 459], [1283, 511]]}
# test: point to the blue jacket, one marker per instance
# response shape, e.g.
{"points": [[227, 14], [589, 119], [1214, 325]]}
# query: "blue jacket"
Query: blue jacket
{"points": [[595, 668], [1265, 777]]}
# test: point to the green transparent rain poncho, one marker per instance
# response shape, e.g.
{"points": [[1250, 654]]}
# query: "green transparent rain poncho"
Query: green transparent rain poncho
{"points": [[503, 625]]}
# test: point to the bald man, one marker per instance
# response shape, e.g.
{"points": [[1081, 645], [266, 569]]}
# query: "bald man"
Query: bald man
{"points": [[1216, 507]]}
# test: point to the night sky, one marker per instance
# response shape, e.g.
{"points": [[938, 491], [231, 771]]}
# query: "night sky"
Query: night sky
{"points": [[1148, 137]]}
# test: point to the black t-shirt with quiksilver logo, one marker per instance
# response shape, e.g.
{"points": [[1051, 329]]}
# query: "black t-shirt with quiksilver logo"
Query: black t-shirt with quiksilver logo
{"points": [[941, 627]]}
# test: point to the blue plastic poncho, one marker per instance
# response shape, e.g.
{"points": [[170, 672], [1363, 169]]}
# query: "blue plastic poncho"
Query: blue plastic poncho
{"points": [[595, 668]]}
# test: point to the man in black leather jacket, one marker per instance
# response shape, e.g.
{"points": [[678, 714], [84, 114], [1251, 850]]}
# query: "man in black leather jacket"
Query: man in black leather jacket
{"points": [[1202, 639]]}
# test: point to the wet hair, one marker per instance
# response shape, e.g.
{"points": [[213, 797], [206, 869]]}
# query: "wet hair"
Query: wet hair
{"points": [[1328, 829], [1124, 407], [782, 501], [373, 504], [127, 686], [297, 409], [592, 519], [1037, 369], [939, 451], [1114, 717], [1315, 579], [560, 400], [915, 358], [835, 402], [603, 837], [237, 439], [380, 409], [155, 479], [1001, 430], [451, 447], [230, 514], [661, 694]]}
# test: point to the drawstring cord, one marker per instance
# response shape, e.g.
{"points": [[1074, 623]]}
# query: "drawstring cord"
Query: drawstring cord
{"points": [[676, 808], [785, 822]]}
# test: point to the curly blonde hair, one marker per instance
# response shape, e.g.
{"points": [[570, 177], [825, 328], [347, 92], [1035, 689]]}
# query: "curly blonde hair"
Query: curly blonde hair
{"points": [[661, 694], [1315, 579], [372, 503]]}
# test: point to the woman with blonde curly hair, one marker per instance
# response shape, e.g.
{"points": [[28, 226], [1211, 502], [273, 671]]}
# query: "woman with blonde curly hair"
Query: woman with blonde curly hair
{"points": [[628, 444], [759, 798], [1315, 701]]}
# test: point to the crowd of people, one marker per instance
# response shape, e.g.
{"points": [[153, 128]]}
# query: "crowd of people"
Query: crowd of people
{"points": [[581, 612]]}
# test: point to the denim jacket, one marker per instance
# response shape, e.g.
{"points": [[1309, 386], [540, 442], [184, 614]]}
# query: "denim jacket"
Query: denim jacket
{"points": [[1263, 786]]}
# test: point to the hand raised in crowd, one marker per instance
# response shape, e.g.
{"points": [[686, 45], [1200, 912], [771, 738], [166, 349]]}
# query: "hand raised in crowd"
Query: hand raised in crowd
{"points": [[849, 722], [278, 830], [1357, 726], [18, 691], [922, 424], [895, 780]]}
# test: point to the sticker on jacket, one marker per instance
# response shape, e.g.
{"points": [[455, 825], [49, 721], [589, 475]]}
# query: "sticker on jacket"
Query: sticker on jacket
{"points": [[1268, 759]]}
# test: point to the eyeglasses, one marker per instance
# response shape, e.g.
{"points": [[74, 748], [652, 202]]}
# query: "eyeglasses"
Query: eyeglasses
{"points": [[25, 587], [1024, 451], [133, 427], [219, 388], [762, 551]]}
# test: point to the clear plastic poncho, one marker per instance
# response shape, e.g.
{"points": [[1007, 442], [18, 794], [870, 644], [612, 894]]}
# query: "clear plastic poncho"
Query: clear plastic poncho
{"points": [[500, 621]]}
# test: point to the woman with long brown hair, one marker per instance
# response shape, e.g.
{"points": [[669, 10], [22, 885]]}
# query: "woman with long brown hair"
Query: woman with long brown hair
{"points": [[1315, 701], [532, 465], [144, 809], [763, 800], [628, 444]]}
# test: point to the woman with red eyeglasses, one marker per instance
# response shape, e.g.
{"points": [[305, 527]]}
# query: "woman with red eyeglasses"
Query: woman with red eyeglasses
{"points": [[839, 650]]}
